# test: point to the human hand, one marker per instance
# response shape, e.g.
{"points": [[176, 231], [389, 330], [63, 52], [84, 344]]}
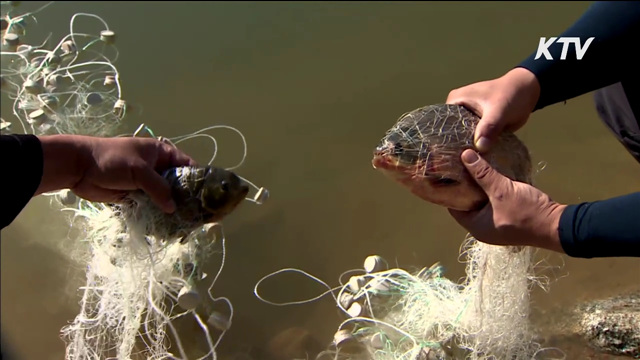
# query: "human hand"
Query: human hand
{"points": [[106, 169], [517, 213], [504, 103], [118, 165]]}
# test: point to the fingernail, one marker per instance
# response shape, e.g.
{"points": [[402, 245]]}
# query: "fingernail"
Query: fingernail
{"points": [[482, 144], [170, 206], [470, 156]]}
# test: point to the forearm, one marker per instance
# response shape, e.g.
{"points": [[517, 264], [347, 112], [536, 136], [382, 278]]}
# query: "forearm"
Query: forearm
{"points": [[603, 228], [615, 27], [63, 159]]}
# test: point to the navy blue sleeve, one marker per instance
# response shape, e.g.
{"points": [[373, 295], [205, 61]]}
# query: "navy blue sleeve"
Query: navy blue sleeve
{"points": [[615, 27], [23, 165], [604, 228], [610, 227]]}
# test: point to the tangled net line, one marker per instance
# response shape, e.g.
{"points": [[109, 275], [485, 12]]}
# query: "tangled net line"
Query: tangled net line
{"points": [[135, 283], [138, 285], [397, 314], [72, 87], [446, 133], [394, 314]]}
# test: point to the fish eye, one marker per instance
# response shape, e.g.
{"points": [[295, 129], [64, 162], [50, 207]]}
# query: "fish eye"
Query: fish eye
{"points": [[224, 186], [446, 181], [397, 148]]}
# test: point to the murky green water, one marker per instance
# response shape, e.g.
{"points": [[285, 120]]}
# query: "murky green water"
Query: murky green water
{"points": [[313, 86]]}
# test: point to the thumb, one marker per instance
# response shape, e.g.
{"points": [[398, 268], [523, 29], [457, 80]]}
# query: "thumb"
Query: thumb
{"points": [[481, 171], [156, 187], [487, 131]]}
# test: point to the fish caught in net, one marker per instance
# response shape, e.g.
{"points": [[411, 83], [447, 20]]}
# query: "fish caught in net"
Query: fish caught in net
{"points": [[145, 267], [422, 152], [395, 314], [203, 195]]}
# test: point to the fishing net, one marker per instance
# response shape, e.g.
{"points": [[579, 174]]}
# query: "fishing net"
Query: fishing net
{"points": [[433, 136], [144, 268], [392, 313], [144, 272], [64, 86], [395, 314], [422, 151]]}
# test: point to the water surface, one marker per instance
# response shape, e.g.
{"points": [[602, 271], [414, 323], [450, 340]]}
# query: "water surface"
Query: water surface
{"points": [[313, 86]]}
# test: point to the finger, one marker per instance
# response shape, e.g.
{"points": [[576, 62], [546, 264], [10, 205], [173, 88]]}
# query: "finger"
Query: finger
{"points": [[182, 159], [94, 193], [477, 223], [467, 218], [487, 131], [462, 217], [465, 101], [156, 187], [170, 156], [488, 127], [471, 221], [491, 181]]}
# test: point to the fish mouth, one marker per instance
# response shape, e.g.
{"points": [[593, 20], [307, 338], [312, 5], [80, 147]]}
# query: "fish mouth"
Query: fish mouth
{"points": [[379, 159], [392, 166], [386, 158], [244, 191], [383, 158]]}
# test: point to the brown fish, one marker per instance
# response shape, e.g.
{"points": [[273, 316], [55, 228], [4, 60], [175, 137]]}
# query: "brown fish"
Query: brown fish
{"points": [[203, 195], [422, 152]]}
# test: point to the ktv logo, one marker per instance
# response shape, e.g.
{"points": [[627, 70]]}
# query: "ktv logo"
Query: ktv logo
{"points": [[581, 49]]}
